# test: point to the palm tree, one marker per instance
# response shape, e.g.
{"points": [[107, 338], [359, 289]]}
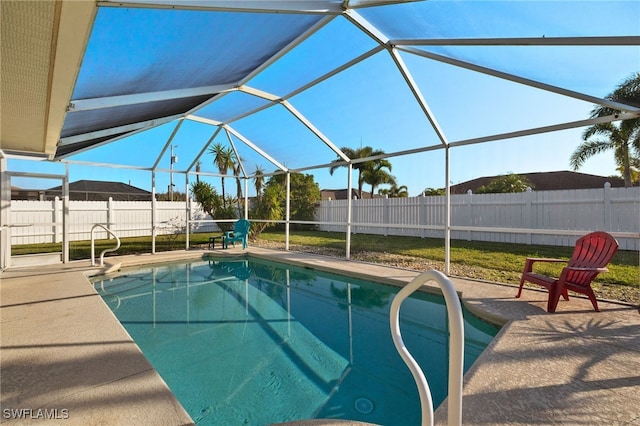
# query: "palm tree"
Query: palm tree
{"points": [[376, 175], [635, 170], [223, 159], [395, 191], [622, 138], [237, 170], [510, 182], [362, 152], [258, 180], [198, 168], [433, 191]]}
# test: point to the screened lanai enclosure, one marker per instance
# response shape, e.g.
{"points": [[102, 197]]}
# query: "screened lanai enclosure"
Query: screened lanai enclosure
{"points": [[120, 88]]}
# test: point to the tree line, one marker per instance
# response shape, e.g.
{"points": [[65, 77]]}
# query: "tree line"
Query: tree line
{"points": [[270, 201], [373, 172]]}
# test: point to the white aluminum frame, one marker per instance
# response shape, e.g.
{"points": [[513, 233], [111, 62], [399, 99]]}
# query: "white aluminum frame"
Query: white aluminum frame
{"points": [[330, 10]]}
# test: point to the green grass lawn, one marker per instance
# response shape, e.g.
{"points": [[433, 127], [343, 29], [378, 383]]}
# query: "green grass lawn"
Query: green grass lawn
{"points": [[502, 262], [132, 245]]}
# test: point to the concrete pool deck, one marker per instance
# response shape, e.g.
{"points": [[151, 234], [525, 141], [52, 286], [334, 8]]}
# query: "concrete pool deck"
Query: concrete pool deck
{"points": [[63, 354]]}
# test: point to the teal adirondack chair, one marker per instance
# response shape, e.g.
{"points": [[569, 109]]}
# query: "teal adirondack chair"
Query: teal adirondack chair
{"points": [[240, 233]]}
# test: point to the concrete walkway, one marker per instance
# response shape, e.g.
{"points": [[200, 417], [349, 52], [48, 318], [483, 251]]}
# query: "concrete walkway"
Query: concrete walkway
{"points": [[65, 355]]}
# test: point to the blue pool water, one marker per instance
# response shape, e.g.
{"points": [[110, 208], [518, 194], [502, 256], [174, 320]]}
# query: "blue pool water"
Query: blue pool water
{"points": [[255, 342]]}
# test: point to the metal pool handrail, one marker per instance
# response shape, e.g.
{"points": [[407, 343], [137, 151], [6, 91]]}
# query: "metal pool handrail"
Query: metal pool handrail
{"points": [[109, 250], [456, 343]]}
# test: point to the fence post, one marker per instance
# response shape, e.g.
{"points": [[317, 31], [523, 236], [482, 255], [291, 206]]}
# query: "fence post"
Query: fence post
{"points": [[527, 213], [469, 213], [57, 216], [355, 212], [187, 206], [606, 199], [385, 214], [110, 216], [424, 219]]}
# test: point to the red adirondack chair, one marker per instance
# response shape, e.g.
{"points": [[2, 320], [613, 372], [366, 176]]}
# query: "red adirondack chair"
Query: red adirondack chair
{"points": [[590, 257]]}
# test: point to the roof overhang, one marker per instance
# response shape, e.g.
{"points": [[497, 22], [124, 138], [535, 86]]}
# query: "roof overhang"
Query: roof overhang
{"points": [[42, 47]]}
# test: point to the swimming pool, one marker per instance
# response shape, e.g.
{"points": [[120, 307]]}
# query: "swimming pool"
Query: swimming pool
{"points": [[249, 341]]}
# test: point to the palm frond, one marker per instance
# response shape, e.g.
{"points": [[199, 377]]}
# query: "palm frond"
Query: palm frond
{"points": [[589, 149]]}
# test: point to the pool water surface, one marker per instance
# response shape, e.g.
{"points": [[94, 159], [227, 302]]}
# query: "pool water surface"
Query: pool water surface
{"points": [[249, 341]]}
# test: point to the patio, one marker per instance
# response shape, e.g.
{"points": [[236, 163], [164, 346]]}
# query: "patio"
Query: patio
{"points": [[62, 349]]}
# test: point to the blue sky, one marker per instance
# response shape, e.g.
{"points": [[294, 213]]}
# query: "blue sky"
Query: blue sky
{"points": [[370, 104]]}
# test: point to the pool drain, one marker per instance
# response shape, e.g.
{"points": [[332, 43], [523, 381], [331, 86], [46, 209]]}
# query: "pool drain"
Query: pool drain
{"points": [[363, 405]]}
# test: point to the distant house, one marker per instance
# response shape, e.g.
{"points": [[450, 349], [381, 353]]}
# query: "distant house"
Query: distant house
{"points": [[341, 194], [95, 190], [27, 194], [546, 181]]}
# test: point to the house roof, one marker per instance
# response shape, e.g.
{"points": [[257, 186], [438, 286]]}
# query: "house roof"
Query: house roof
{"points": [[546, 181], [94, 190], [341, 194]]}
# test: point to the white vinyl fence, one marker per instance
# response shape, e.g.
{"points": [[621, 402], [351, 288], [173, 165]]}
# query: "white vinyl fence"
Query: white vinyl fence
{"points": [[534, 217], [41, 221]]}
